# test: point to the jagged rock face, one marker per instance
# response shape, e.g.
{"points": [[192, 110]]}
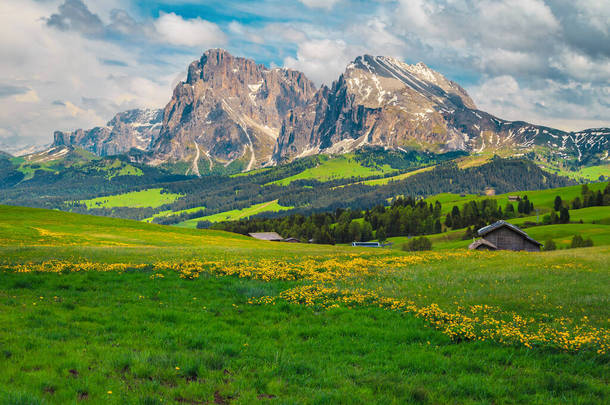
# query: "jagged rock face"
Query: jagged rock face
{"points": [[127, 130], [377, 101], [385, 102], [229, 108], [232, 109]]}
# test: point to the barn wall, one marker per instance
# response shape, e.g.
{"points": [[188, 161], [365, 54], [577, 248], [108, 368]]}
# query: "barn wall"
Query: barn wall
{"points": [[507, 239]]}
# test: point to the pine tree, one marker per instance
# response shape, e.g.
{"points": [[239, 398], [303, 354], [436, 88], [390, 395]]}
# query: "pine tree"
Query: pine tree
{"points": [[564, 215], [438, 227], [576, 203], [558, 203]]}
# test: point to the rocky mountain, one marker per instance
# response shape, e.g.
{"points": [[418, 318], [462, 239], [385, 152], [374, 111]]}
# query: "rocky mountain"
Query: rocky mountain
{"points": [[130, 129], [383, 101], [228, 109], [232, 112]]}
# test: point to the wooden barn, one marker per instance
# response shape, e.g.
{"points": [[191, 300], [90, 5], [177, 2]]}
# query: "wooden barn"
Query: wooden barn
{"points": [[273, 237], [270, 236], [504, 236]]}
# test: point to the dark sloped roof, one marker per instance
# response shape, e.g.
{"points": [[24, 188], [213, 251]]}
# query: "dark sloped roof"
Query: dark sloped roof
{"points": [[497, 225], [476, 244], [266, 235]]}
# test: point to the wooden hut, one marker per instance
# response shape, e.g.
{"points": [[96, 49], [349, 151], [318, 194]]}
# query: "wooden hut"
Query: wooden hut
{"points": [[367, 244], [504, 236], [482, 244], [270, 236]]}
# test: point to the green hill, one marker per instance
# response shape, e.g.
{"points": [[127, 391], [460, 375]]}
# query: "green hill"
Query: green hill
{"points": [[542, 199], [336, 167]]}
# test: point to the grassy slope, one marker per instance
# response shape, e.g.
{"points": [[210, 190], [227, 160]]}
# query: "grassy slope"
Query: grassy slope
{"points": [[541, 198], [169, 213], [596, 225], [589, 215], [590, 173], [234, 215], [335, 167], [386, 180], [83, 335], [152, 197]]}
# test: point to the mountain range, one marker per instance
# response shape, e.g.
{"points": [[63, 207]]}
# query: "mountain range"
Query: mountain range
{"points": [[232, 112]]}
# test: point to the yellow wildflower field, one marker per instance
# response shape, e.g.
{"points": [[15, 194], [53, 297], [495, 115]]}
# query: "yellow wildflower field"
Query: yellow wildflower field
{"points": [[353, 280]]}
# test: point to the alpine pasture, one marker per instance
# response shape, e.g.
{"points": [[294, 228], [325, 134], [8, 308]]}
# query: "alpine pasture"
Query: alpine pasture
{"points": [[101, 310]]}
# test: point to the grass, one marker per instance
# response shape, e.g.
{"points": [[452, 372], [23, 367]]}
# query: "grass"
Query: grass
{"points": [[594, 172], [336, 167], [386, 180], [561, 234], [596, 225], [116, 167], [234, 215], [589, 215], [152, 197], [134, 337], [590, 173], [543, 199], [168, 213]]}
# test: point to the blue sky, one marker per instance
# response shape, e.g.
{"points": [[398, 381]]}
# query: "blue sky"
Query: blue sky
{"points": [[70, 64]]}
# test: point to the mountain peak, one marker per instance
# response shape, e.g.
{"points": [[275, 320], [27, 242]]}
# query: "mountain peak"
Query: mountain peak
{"points": [[229, 109], [235, 113]]}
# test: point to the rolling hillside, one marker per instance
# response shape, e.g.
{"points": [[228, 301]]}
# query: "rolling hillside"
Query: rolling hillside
{"points": [[117, 311], [542, 199]]}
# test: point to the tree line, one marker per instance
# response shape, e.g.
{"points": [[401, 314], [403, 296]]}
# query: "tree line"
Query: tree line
{"points": [[404, 217]]}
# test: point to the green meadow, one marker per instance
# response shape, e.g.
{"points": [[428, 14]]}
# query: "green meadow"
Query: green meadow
{"points": [[589, 173], [234, 215], [168, 213], [152, 197], [542, 199], [336, 167], [148, 335], [386, 180], [595, 225]]}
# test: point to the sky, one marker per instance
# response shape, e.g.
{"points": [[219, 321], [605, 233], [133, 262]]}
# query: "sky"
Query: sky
{"points": [[68, 64]]}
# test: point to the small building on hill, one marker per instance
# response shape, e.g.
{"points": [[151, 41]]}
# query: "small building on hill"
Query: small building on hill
{"points": [[504, 236], [366, 244], [270, 236], [514, 198], [482, 244]]}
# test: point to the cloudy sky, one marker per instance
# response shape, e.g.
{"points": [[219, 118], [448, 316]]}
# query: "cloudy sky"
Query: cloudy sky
{"points": [[67, 64]]}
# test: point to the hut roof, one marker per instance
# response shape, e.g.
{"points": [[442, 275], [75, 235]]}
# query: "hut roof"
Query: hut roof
{"points": [[478, 243], [273, 236], [497, 225]]}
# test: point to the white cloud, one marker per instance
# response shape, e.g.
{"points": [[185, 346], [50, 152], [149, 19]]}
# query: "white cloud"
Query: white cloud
{"points": [[29, 97], [327, 4], [175, 30], [322, 60], [581, 67], [59, 79], [547, 103], [596, 12]]}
